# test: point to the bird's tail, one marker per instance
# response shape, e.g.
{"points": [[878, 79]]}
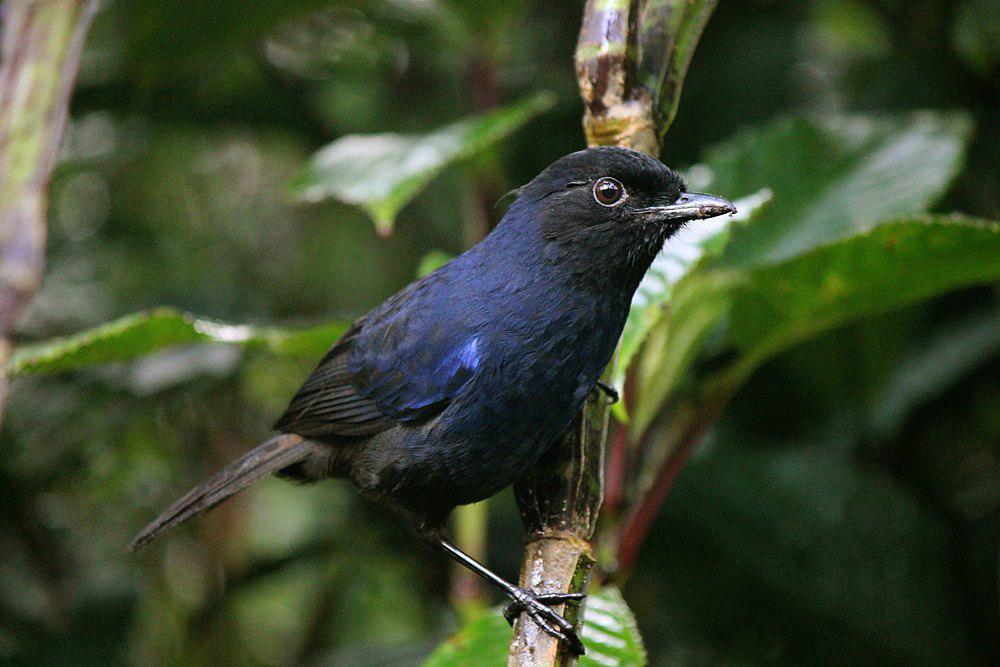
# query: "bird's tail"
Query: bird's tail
{"points": [[273, 455]]}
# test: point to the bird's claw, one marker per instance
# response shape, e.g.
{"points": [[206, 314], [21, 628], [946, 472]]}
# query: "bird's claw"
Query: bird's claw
{"points": [[537, 606], [609, 391]]}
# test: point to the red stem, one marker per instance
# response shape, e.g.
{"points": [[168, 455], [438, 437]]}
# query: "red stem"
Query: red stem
{"points": [[614, 477], [639, 523], [617, 474], [640, 520]]}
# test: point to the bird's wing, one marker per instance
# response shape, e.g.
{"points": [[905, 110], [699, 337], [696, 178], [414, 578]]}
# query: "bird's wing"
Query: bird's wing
{"points": [[402, 363], [330, 403]]}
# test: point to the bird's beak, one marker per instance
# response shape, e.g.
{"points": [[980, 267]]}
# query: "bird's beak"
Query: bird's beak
{"points": [[689, 206]]}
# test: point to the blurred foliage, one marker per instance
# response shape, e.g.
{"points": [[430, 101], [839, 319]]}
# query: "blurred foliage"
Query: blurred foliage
{"points": [[846, 507], [976, 35]]}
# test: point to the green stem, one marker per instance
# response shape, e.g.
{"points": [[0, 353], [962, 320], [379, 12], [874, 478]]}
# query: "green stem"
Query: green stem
{"points": [[468, 595], [40, 50]]}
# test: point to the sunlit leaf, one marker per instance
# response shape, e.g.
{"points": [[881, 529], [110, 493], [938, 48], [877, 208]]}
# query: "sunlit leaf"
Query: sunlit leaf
{"points": [[143, 333], [381, 173], [609, 634]]}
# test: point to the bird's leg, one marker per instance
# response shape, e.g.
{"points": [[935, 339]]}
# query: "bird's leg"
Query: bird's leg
{"points": [[537, 605], [609, 391]]}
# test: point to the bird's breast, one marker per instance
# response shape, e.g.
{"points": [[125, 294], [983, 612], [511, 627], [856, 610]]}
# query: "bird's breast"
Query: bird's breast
{"points": [[535, 349]]}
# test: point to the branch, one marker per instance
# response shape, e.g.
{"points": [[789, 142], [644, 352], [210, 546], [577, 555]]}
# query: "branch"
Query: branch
{"points": [[559, 508], [40, 47], [631, 59], [617, 110]]}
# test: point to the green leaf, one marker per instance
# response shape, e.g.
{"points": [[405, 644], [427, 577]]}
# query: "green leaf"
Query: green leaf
{"points": [[798, 183], [929, 365], [678, 257], [834, 178], [433, 261], [851, 29], [756, 312], [381, 173], [609, 634], [895, 264], [143, 333], [484, 641], [666, 37]]}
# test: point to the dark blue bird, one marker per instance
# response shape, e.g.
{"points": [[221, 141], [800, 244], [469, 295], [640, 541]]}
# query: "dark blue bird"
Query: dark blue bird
{"points": [[454, 388]]}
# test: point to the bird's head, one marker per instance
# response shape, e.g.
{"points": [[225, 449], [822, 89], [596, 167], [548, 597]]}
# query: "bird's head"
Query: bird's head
{"points": [[608, 203]]}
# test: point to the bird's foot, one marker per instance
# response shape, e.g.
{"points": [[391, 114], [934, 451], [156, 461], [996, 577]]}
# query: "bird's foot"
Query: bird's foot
{"points": [[537, 606], [609, 391]]}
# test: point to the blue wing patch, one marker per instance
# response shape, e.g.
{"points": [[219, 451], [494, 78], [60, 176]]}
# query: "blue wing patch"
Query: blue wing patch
{"points": [[395, 366]]}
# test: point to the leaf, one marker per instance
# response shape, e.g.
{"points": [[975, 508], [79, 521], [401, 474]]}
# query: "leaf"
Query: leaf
{"points": [[610, 636], [610, 633], [758, 312], [807, 174], [433, 261], [381, 173], [894, 264], [851, 30], [484, 641], [142, 333], [679, 256], [930, 365], [834, 178], [797, 183], [666, 37]]}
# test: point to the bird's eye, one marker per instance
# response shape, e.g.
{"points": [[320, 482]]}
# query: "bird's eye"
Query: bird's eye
{"points": [[608, 191]]}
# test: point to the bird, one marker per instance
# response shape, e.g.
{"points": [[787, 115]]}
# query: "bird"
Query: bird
{"points": [[455, 387]]}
